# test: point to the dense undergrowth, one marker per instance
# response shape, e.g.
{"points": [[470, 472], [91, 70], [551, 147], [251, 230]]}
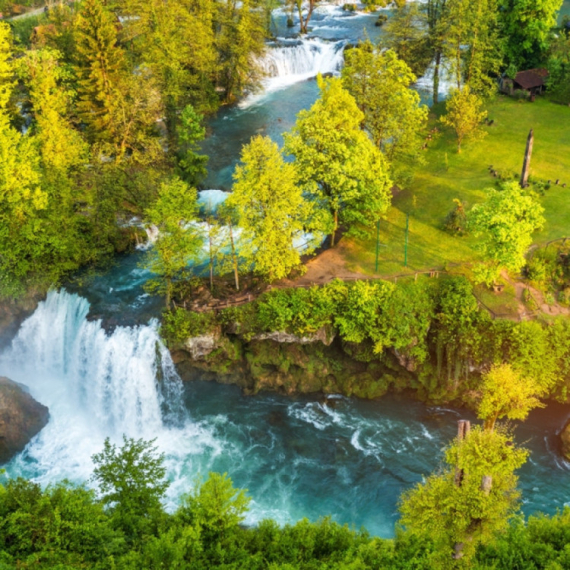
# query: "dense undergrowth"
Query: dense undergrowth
{"points": [[67, 527], [432, 329]]}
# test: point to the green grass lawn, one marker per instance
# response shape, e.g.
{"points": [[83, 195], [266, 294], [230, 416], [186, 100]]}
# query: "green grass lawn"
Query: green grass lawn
{"points": [[448, 175]]}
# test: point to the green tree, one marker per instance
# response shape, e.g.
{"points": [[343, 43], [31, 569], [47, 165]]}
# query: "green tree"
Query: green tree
{"points": [[505, 223], [240, 43], [190, 133], [473, 46], [527, 26], [559, 69], [100, 65], [436, 17], [132, 483], [470, 502], [405, 33], [217, 509], [332, 152], [271, 210], [178, 240], [506, 393], [464, 114], [7, 79], [61, 146], [380, 83], [304, 18], [21, 196], [185, 64]]}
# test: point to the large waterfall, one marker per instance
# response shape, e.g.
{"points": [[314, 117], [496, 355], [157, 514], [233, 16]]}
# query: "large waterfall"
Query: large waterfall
{"points": [[97, 384]]}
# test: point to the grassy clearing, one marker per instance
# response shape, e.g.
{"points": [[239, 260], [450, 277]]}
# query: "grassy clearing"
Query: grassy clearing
{"points": [[448, 175]]}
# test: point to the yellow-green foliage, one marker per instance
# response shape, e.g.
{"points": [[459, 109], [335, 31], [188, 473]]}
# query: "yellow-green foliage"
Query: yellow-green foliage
{"points": [[459, 515], [506, 393]]}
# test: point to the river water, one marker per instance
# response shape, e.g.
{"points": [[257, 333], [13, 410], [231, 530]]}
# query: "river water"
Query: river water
{"points": [[298, 457]]}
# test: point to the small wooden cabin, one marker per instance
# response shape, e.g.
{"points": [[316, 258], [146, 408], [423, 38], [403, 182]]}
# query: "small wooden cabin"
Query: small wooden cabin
{"points": [[533, 81]]}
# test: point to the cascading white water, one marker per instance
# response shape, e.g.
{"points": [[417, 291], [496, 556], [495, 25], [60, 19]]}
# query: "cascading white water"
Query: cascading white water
{"points": [[97, 385], [306, 58], [290, 63]]}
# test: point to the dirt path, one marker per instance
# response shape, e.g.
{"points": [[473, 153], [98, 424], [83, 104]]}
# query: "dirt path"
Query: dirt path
{"points": [[326, 267], [554, 310]]}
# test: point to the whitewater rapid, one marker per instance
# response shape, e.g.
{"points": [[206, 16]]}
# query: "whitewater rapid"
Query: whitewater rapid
{"points": [[98, 384]]}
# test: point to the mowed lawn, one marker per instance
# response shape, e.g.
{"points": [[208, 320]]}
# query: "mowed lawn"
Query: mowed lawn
{"points": [[447, 175]]}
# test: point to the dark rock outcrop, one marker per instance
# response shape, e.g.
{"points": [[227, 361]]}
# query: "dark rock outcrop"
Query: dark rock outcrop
{"points": [[21, 418], [287, 364], [13, 313]]}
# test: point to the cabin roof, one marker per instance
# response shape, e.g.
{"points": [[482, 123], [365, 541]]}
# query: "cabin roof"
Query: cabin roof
{"points": [[531, 78]]}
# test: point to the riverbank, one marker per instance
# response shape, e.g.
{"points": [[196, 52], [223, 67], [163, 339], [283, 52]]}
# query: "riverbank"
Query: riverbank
{"points": [[365, 338]]}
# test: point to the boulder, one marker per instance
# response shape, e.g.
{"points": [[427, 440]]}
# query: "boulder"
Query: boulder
{"points": [[565, 438], [21, 418], [201, 346]]}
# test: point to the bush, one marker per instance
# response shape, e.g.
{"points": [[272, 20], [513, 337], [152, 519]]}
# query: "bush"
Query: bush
{"points": [[179, 324]]}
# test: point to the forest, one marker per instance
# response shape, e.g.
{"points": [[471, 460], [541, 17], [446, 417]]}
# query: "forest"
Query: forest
{"points": [[388, 223]]}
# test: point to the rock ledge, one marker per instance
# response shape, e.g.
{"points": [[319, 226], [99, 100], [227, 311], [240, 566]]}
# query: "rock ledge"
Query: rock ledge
{"points": [[21, 418]]}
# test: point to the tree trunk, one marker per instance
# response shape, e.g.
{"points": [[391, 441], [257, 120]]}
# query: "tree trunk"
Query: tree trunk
{"points": [[234, 257], [463, 429], [211, 258], [335, 227], [168, 292], [436, 69], [527, 156]]}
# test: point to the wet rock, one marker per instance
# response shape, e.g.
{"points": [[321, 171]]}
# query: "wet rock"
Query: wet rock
{"points": [[405, 361], [13, 313], [288, 338], [201, 346], [21, 418], [565, 438]]}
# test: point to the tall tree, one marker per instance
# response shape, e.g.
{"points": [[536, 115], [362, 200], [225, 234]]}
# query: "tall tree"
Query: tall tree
{"points": [[62, 147], [304, 17], [527, 26], [132, 482], [179, 241], [406, 34], [184, 63], [436, 16], [334, 154], [21, 195], [465, 115], [240, 42], [473, 45], [505, 223], [271, 210], [100, 66], [459, 513], [380, 83], [190, 133]]}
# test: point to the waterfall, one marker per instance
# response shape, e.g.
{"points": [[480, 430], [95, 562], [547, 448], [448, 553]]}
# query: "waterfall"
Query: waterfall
{"points": [[97, 384], [303, 59], [287, 63]]}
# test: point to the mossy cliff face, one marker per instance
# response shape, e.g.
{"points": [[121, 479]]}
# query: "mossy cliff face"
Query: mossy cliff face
{"points": [[288, 365]]}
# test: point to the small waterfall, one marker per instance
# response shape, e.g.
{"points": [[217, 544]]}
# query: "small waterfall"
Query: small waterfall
{"points": [[303, 59], [288, 63], [96, 385], [424, 84]]}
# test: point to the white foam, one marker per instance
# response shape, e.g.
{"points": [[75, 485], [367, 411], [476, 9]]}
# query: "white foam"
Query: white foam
{"points": [[292, 62], [97, 385]]}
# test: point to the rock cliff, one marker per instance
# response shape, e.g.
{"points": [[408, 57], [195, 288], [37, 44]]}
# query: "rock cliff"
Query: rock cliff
{"points": [[21, 418]]}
